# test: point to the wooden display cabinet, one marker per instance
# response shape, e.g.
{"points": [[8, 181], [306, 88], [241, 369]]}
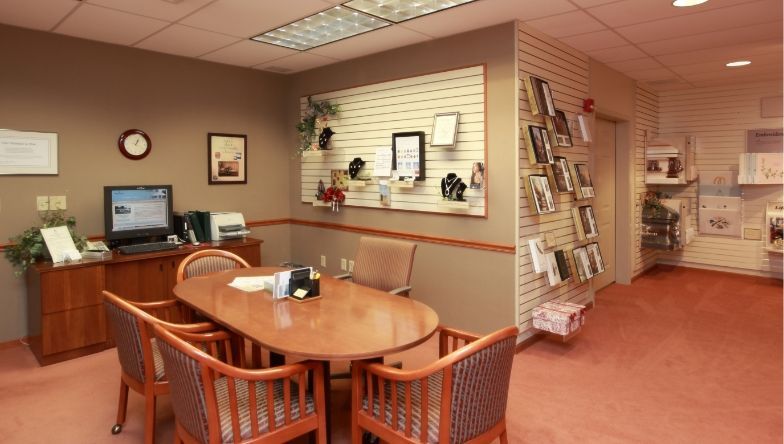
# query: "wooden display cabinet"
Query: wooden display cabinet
{"points": [[65, 313]]}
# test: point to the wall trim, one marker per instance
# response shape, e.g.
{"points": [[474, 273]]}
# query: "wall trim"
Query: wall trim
{"points": [[18, 342]]}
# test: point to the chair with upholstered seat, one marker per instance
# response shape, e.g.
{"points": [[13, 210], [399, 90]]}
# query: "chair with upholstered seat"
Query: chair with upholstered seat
{"points": [[383, 264], [214, 402], [140, 362], [461, 398], [208, 261]]}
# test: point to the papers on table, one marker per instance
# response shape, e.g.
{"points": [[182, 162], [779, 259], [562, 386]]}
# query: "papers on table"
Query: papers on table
{"points": [[253, 283], [60, 244]]}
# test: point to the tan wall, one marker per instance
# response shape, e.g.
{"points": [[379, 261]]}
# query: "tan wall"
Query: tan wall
{"points": [[469, 288], [90, 92]]}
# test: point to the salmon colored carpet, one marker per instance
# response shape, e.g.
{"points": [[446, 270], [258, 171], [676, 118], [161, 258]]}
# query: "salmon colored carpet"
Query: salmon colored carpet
{"points": [[680, 356]]}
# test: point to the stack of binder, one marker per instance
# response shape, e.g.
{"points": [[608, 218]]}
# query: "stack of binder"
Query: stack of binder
{"points": [[199, 221]]}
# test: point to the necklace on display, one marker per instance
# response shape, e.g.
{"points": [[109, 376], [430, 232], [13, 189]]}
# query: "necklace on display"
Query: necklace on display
{"points": [[449, 182]]}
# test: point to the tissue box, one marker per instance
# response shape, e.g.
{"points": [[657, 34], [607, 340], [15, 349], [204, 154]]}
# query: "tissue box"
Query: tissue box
{"points": [[562, 318]]}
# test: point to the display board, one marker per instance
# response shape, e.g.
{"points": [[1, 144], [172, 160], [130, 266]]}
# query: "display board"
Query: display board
{"points": [[370, 115]]}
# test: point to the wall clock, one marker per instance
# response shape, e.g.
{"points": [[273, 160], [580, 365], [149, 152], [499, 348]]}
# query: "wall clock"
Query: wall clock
{"points": [[135, 144]]}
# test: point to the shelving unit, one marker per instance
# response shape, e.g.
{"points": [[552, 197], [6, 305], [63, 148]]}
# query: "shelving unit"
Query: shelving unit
{"points": [[670, 162]]}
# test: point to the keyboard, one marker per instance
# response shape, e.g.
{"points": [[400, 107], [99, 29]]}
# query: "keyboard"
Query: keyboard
{"points": [[146, 248]]}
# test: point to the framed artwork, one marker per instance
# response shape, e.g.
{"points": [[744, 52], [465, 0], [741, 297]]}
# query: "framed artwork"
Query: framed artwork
{"points": [[538, 145], [584, 186], [540, 97], [538, 261], [595, 258], [563, 136], [585, 222], [553, 273], [408, 154], [541, 198], [227, 159], [562, 180], [339, 179], [774, 218], [28, 152], [582, 264], [477, 175], [563, 265], [445, 129]]}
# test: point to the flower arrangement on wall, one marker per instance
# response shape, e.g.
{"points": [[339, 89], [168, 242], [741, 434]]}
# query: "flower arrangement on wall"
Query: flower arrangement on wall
{"points": [[314, 125]]}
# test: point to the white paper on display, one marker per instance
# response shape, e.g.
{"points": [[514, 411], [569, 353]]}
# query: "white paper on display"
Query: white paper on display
{"points": [[383, 164], [60, 244]]}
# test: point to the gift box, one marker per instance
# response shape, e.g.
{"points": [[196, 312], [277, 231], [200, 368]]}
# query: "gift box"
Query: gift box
{"points": [[559, 328], [562, 318]]}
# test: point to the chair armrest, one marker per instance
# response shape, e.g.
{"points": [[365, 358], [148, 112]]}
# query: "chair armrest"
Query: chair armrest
{"points": [[450, 339], [170, 310], [402, 291], [343, 276]]}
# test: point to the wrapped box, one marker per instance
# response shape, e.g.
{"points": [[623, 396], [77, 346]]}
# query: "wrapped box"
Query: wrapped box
{"points": [[562, 318], [559, 328]]}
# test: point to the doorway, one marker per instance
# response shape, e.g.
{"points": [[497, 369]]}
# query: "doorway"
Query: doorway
{"points": [[604, 203]]}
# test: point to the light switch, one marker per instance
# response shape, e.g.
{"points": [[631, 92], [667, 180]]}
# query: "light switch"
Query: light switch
{"points": [[350, 266], [57, 203], [343, 264], [42, 203]]}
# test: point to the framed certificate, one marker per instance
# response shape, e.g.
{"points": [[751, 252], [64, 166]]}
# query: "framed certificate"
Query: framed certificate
{"points": [[227, 160], [28, 152], [445, 129]]}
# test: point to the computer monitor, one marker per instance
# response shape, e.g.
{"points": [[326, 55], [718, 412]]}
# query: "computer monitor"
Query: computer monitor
{"points": [[137, 211]]}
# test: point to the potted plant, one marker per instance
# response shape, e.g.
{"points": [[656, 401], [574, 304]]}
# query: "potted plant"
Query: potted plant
{"points": [[316, 117], [29, 246]]}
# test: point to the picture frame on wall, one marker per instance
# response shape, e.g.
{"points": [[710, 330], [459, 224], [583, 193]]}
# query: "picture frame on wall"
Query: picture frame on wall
{"points": [[538, 145], [408, 154], [559, 172], [595, 258], [581, 263], [582, 180], [28, 152], [540, 196], [227, 159], [540, 96], [560, 127], [445, 130], [585, 222]]}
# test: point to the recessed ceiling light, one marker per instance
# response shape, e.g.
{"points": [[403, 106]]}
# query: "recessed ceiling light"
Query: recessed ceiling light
{"points": [[687, 3], [737, 63], [321, 28], [397, 11]]}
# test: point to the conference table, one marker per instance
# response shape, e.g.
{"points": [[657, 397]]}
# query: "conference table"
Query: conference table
{"points": [[348, 322]]}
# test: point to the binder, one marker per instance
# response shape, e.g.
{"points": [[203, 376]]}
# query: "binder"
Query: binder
{"points": [[196, 226], [204, 220]]}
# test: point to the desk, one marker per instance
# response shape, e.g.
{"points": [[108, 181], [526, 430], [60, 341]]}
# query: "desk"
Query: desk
{"points": [[349, 322]]}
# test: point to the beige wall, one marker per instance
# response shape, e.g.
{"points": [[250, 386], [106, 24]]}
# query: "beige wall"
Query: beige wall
{"points": [[469, 288], [90, 92]]}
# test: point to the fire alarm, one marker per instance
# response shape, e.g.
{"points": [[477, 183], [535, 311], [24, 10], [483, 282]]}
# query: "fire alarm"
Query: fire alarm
{"points": [[588, 105]]}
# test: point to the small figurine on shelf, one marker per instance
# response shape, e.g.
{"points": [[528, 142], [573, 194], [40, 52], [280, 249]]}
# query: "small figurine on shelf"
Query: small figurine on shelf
{"points": [[320, 190], [334, 195]]}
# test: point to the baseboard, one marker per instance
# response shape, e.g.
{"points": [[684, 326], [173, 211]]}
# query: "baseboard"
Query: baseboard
{"points": [[717, 269], [21, 342]]}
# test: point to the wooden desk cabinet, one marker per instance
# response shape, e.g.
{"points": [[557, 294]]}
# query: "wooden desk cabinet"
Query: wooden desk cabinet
{"points": [[65, 313]]}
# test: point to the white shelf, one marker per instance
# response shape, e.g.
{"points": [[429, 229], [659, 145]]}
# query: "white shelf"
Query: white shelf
{"points": [[401, 184], [354, 183], [311, 153], [454, 204], [321, 203]]}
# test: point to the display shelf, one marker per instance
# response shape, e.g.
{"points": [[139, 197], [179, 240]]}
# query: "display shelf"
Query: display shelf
{"points": [[670, 162], [321, 203], [401, 183], [356, 183], [453, 204], [314, 153]]}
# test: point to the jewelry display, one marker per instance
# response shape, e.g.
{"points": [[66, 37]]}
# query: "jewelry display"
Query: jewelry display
{"points": [[326, 134], [354, 167], [452, 184]]}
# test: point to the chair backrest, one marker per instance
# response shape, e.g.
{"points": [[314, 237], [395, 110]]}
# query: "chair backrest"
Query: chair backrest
{"points": [[383, 264], [208, 261], [128, 324]]}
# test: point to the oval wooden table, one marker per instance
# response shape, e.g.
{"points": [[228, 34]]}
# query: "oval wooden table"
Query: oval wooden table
{"points": [[349, 321]]}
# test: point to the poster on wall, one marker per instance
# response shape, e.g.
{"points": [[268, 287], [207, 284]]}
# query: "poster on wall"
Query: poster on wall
{"points": [[227, 158], [764, 140], [28, 152]]}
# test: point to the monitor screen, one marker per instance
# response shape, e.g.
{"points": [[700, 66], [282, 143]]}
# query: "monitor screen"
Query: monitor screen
{"points": [[137, 211]]}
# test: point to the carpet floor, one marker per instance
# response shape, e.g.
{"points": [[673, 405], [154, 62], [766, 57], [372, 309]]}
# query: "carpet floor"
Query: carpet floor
{"points": [[680, 356]]}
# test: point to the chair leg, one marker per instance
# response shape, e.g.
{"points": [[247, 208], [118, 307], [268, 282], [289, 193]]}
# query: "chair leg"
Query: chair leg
{"points": [[149, 417], [122, 407], [503, 437]]}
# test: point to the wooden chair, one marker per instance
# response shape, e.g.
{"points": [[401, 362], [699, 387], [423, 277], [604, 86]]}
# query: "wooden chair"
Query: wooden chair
{"points": [[140, 361], [214, 402], [461, 398], [208, 261], [383, 264]]}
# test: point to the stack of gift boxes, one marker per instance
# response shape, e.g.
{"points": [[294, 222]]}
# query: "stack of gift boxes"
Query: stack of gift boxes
{"points": [[562, 318]]}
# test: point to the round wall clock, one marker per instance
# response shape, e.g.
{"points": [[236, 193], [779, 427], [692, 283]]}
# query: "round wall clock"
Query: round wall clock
{"points": [[135, 144]]}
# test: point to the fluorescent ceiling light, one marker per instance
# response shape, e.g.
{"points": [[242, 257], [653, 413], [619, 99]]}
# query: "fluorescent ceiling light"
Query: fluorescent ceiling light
{"points": [[737, 63], [397, 11], [687, 3], [319, 29]]}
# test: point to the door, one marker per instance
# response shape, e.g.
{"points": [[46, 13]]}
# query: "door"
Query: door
{"points": [[603, 178]]}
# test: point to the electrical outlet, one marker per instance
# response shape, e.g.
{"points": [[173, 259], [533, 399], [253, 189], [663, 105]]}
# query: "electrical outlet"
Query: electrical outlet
{"points": [[42, 203], [57, 203], [350, 266], [323, 261], [343, 264]]}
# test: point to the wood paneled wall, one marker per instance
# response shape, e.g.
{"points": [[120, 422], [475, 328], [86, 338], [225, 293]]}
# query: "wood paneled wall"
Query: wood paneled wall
{"points": [[646, 124]]}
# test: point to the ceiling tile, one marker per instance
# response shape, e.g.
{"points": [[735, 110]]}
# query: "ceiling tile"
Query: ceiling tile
{"points": [[635, 64], [731, 36], [295, 63], [108, 25], [747, 74], [758, 63], [248, 53], [370, 43], [709, 21], [29, 14], [626, 52], [163, 10], [186, 41], [246, 18], [593, 41], [571, 23], [629, 12], [651, 74], [723, 54], [484, 13], [590, 3]]}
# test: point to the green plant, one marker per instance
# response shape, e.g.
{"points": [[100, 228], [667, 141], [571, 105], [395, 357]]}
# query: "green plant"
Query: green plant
{"points": [[29, 246], [315, 115]]}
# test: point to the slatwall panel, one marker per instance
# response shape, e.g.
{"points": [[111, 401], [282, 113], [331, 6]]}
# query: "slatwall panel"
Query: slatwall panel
{"points": [[719, 118], [371, 114], [566, 71], [646, 124]]}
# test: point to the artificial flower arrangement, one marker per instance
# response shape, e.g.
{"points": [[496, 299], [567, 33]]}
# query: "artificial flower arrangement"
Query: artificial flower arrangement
{"points": [[315, 120], [334, 195]]}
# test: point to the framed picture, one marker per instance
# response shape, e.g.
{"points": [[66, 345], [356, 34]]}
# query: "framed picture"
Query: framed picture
{"points": [[560, 127], [28, 152], [553, 272], [563, 265], [408, 154], [595, 258], [339, 179], [774, 221], [588, 221], [562, 180], [582, 176], [445, 129], [540, 97], [539, 193], [227, 159], [477, 175], [538, 145], [582, 264]]}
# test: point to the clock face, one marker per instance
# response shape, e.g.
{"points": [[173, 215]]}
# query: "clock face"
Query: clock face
{"points": [[135, 144]]}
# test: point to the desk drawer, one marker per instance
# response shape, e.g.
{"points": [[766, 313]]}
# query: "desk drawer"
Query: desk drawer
{"points": [[72, 329], [72, 288]]}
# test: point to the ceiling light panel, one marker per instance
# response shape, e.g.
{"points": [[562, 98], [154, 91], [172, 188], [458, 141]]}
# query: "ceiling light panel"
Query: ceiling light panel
{"points": [[319, 29], [397, 11]]}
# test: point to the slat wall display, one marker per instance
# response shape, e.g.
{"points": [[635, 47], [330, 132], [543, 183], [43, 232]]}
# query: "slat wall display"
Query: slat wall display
{"points": [[646, 124], [371, 114], [566, 71], [719, 118]]}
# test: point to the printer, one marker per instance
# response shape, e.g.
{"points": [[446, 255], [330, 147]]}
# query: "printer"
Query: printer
{"points": [[227, 226]]}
